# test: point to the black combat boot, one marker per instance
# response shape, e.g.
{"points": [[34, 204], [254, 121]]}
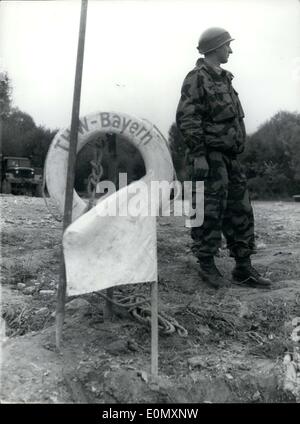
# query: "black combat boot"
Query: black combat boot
{"points": [[245, 274], [210, 273]]}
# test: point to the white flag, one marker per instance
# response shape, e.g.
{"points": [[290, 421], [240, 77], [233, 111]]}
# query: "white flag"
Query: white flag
{"points": [[104, 251]]}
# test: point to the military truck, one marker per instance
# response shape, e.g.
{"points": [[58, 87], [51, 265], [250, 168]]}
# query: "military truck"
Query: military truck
{"points": [[19, 177]]}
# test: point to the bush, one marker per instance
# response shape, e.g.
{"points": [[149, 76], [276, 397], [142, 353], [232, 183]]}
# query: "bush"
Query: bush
{"points": [[265, 188]]}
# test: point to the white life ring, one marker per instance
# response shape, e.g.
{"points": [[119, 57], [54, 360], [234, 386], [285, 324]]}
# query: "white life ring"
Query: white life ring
{"points": [[142, 134]]}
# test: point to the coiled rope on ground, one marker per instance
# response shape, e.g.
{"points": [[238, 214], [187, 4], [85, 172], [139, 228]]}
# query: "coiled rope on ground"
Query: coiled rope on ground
{"points": [[138, 306]]}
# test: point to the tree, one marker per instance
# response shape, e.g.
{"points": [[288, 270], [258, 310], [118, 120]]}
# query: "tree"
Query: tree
{"points": [[272, 156], [36, 143], [16, 126], [18, 132], [5, 94]]}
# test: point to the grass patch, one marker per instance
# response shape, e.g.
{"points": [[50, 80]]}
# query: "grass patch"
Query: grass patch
{"points": [[21, 319], [21, 272], [11, 238], [259, 325]]}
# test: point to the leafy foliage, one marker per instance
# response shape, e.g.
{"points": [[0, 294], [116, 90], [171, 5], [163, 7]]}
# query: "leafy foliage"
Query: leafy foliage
{"points": [[21, 137], [5, 94], [272, 157]]}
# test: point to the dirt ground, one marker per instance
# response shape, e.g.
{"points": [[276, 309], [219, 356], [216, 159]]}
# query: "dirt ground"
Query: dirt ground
{"points": [[236, 337]]}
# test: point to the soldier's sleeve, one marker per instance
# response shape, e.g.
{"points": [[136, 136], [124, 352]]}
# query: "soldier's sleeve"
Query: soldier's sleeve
{"points": [[190, 112]]}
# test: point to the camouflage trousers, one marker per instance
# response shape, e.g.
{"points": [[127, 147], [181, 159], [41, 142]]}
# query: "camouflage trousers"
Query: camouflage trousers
{"points": [[227, 210]]}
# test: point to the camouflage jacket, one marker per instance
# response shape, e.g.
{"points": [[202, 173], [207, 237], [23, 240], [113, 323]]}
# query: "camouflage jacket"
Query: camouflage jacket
{"points": [[209, 114]]}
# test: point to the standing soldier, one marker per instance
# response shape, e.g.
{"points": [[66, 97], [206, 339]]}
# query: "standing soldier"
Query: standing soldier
{"points": [[210, 119]]}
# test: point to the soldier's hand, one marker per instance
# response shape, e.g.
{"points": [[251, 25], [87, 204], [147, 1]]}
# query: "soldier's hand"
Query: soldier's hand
{"points": [[239, 149], [201, 167]]}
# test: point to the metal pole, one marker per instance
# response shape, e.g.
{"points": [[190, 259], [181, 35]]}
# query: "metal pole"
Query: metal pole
{"points": [[1, 129], [1, 132], [112, 176], [61, 293], [154, 328]]}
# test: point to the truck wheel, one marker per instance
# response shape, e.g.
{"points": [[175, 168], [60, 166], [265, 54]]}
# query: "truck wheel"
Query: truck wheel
{"points": [[6, 187]]}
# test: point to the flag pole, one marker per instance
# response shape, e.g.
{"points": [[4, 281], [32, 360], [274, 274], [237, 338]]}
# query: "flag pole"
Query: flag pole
{"points": [[154, 318], [154, 328], [112, 176], [62, 285]]}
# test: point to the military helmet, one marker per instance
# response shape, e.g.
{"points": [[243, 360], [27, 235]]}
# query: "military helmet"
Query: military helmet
{"points": [[213, 38]]}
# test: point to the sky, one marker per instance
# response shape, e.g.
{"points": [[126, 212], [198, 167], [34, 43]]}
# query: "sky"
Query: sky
{"points": [[137, 54]]}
